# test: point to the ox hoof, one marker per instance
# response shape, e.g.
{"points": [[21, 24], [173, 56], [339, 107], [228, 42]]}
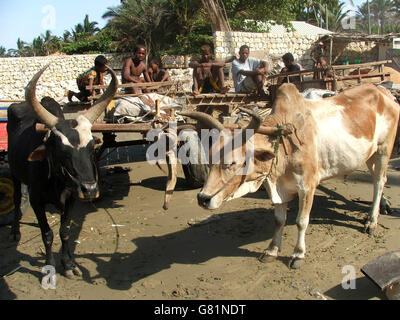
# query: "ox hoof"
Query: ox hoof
{"points": [[71, 273], [384, 206], [266, 258], [369, 229], [296, 263], [386, 210]]}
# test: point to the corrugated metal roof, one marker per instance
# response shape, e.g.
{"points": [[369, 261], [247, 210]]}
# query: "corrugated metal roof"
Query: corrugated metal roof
{"points": [[349, 37], [300, 27]]}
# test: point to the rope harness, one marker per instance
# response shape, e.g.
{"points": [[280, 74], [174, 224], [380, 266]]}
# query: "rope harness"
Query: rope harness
{"points": [[280, 134], [279, 138]]}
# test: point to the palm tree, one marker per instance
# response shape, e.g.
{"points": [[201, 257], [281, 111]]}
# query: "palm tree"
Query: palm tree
{"points": [[136, 21], [381, 9], [382, 16], [90, 27], [2, 51], [21, 50], [362, 17], [335, 16], [51, 43], [85, 30], [183, 19], [37, 47], [77, 32], [67, 36]]}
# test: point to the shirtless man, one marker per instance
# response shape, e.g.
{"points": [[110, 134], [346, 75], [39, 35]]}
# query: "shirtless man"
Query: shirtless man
{"points": [[157, 74], [133, 69], [208, 74]]}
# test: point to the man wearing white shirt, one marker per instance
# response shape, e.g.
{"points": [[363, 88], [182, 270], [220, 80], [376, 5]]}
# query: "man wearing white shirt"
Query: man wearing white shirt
{"points": [[248, 73]]}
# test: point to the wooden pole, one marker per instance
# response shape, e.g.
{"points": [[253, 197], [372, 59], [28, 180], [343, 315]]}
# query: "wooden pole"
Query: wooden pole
{"points": [[158, 108]]}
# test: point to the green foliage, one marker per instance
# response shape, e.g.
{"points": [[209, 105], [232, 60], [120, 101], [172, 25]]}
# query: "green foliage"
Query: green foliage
{"points": [[188, 45], [3, 51], [139, 21], [384, 16], [99, 44], [182, 26], [83, 31], [279, 11]]}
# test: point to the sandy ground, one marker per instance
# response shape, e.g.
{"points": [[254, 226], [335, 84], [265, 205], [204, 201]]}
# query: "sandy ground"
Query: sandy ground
{"points": [[128, 247]]}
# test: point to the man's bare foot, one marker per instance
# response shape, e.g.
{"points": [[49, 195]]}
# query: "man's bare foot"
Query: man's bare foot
{"points": [[225, 89], [195, 93]]}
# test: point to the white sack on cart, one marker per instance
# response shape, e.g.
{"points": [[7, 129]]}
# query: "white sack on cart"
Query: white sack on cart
{"points": [[138, 106], [130, 106]]}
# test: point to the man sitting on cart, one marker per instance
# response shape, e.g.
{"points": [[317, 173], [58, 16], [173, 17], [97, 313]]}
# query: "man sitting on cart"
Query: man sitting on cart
{"points": [[157, 74], [208, 74], [249, 73], [290, 66], [134, 68], [92, 77]]}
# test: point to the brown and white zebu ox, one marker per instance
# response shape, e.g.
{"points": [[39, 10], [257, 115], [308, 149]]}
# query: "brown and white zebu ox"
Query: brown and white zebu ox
{"points": [[330, 137]]}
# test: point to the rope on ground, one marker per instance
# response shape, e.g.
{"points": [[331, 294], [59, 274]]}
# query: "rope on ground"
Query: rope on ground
{"points": [[113, 223]]}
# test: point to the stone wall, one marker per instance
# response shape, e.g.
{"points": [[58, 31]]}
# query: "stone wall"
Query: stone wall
{"points": [[269, 45], [15, 74], [274, 46], [353, 52], [60, 77]]}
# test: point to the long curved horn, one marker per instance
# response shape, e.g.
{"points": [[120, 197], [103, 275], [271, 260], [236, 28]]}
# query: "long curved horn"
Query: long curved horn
{"points": [[95, 111], [256, 120], [204, 118], [45, 116]]}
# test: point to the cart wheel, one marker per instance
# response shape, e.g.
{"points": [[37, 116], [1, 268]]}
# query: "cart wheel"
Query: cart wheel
{"points": [[195, 173], [7, 197]]}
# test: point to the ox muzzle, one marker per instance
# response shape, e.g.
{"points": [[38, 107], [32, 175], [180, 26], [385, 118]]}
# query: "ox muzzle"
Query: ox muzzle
{"points": [[203, 200], [88, 191], [209, 202]]}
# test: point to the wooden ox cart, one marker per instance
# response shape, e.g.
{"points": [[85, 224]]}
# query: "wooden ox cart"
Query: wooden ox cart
{"points": [[223, 106]]}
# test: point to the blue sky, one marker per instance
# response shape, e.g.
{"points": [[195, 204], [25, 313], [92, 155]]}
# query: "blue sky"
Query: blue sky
{"points": [[27, 19], [348, 4]]}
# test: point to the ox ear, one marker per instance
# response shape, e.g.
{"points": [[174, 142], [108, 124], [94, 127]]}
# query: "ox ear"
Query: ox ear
{"points": [[38, 154], [263, 155]]}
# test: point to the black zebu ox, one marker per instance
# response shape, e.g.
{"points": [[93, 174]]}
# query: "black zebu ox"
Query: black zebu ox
{"points": [[58, 166]]}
